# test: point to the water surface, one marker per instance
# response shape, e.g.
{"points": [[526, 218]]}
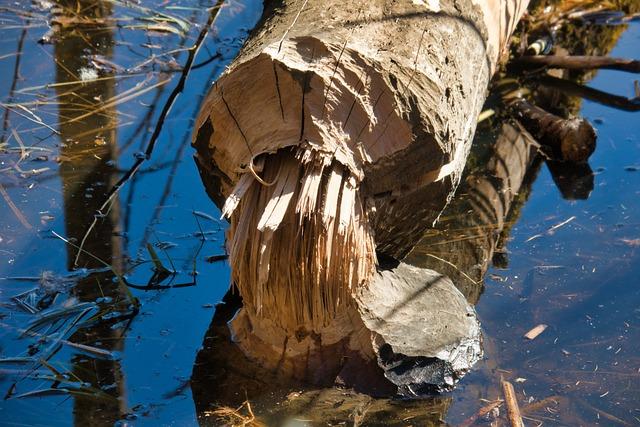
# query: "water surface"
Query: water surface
{"points": [[80, 100]]}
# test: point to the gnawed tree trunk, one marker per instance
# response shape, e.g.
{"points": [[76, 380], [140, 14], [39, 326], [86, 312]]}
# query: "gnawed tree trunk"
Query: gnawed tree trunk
{"points": [[341, 127], [411, 354]]}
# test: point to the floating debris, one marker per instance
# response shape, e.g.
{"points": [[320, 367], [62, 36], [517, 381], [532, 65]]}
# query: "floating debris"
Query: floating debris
{"points": [[533, 333]]}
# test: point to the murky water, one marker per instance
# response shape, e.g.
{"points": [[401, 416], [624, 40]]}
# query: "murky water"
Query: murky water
{"points": [[111, 334]]}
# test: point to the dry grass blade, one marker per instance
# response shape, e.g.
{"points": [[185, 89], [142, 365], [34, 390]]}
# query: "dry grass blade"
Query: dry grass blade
{"points": [[154, 14], [160, 27], [64, 391], [14, 208], [50, 317], [31, 117]]}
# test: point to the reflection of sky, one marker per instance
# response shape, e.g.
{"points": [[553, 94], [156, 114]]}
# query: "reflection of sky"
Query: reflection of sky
{"points": [[161, 344], [172, 328], [610, 213], [589, 291]]}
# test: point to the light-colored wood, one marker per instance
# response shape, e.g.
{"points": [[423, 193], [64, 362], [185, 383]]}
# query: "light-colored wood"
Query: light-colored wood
{"points": [[363, 113], [534, 332]]}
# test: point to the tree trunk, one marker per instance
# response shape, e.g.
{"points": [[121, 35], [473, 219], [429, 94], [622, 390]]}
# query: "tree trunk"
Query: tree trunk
{"points": [[342, 127], [463, 243], [414, 331]]}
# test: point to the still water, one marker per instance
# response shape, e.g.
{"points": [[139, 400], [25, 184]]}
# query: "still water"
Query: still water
{"points": [[110, 335]]}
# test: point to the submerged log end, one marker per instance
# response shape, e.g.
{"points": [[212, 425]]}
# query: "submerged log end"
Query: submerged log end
{"points": [[567, 140], [577, 140]]}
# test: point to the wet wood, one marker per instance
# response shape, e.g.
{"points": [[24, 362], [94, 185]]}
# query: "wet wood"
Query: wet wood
{"points": [[513, 410], [572, 139], [569, 62], [482, 412]]}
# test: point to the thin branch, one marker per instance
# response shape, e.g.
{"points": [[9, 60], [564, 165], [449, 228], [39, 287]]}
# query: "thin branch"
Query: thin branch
{"points": [[578, 62], [193, 51], [595, 95]]}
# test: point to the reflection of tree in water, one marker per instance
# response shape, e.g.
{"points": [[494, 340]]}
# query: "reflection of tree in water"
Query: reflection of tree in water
{"points": [[462, 244], [88, 153], [223, 376], [470, 235]]}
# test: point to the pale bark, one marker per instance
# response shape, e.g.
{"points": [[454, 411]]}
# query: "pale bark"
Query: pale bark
{"points": [[361, 115]]}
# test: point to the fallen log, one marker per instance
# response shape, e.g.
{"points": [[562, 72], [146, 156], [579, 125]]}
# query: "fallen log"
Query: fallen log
{"points": [[420, 337], [342, 129], [339, 122], [571, 139]]}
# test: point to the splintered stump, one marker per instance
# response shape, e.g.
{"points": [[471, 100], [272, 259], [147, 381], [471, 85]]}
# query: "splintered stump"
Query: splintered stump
{"points": [[340, 129]]}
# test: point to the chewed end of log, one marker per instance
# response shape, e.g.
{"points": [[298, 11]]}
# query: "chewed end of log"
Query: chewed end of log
{"points": [[578, 141], [299, 242]]}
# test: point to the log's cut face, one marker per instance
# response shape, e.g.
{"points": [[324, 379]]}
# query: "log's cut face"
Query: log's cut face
{"points": [[342, 128]]}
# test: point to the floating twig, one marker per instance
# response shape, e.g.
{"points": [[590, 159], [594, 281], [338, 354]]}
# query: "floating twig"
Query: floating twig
{"points": [[511, 402], [481, 413]]}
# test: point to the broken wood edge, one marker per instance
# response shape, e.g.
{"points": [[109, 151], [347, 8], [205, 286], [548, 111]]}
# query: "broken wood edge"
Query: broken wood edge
{"points": [[299, 247]]}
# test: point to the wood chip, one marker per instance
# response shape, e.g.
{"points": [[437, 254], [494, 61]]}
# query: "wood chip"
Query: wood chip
{"points": [[533, 333]]}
